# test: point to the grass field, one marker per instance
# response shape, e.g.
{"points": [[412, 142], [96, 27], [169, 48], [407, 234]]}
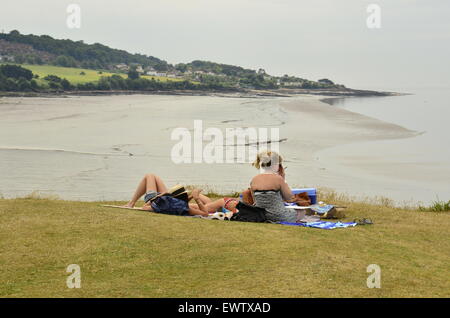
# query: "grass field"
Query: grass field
{"points": [[73, 74], [125, 253]]}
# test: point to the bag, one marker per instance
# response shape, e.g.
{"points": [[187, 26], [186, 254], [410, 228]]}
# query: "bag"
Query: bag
{"points": [[301, 199], [249, 213], [167, 204]]}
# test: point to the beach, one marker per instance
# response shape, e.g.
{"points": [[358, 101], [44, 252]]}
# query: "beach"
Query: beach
{"points": [[97, 147]]}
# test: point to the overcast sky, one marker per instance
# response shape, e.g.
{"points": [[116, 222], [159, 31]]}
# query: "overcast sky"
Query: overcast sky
{"points": [[307, 38]]}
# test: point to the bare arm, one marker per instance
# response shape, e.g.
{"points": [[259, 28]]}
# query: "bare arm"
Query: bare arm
{"points": [[286, 191]]}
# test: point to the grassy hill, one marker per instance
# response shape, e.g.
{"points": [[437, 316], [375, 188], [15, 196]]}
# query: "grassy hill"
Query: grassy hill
{"points": [[74, 76], [44, 50], [126, 253]]}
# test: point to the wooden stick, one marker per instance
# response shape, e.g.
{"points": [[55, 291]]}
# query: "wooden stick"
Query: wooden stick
{"points": [[121, 207]]}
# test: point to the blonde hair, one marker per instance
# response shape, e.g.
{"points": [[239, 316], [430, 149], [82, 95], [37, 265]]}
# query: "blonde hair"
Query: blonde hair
{"points": [[266, 159]]}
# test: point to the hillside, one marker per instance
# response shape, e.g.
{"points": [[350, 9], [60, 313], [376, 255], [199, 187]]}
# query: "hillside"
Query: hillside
{"points": [[44, 50], [80, 75], [33, 49], [124, 253]]}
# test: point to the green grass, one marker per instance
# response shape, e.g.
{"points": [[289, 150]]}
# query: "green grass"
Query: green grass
{"points": [[73, 74], [437, 206], [125, 253]]}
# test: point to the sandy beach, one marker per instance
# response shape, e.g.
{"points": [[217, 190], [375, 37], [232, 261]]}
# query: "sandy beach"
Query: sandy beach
{"points": [[363, 156], [72, 147], [321, 126]]}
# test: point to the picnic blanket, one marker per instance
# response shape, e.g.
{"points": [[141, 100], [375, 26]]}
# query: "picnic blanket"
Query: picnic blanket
{"points": [[319, 209], [322, 225]]}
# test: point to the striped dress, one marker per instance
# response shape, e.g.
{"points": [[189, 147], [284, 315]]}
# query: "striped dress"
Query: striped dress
{"points": [[272, 201]]}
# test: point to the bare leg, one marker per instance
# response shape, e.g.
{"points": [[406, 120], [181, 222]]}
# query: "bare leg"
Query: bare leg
{"points": [[211, 206], [204, 199], [200, 208], [150, 182], [160, 186], [196, 197]]}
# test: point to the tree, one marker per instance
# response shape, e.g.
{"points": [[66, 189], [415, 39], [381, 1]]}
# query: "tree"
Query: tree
{"points": [[66, 84], [65, 61], [181, 67], [56, 82], [15, 71], [19, 59], [23, 85], [325, 81], [132, 73]]}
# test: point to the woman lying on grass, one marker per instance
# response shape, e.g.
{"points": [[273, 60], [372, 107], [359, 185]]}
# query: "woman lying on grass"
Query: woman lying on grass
{"points": [[206, 204], [151, 186]]}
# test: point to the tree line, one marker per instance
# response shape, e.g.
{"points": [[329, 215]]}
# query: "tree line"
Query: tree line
{"points": [[15, 78], [70, 53]]}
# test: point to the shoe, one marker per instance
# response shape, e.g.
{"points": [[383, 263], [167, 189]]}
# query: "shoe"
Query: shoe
{"points": [[365, 221]]}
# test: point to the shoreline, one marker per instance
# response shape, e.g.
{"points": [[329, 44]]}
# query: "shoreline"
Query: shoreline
{"points": [[318, 151], [308, 126], [241, 93]]}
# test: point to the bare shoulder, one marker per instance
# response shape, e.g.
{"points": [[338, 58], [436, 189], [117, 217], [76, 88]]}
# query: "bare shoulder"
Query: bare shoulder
{"points": [[267, 181]]}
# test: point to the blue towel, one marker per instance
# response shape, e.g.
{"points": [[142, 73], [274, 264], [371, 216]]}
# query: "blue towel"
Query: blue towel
{"points": [[322, 225]]}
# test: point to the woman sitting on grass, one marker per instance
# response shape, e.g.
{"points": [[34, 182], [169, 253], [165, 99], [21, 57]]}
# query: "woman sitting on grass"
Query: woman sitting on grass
{"points": [[269, 188]]}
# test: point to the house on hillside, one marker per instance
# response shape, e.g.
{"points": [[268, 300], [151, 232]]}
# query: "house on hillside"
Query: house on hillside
{"points": [[122, 67], [6, 58], [151, 73], [139, 69]]}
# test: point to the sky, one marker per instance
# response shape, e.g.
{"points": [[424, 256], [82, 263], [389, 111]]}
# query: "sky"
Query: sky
{"points": [[312, 39]]}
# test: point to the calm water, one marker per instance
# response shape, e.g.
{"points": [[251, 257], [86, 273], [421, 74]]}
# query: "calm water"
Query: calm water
{"points": [[413, 169], [97, 148]]}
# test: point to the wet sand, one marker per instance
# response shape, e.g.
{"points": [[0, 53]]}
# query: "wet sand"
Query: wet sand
{"points": [[317, 125], [363, 156], [98, 147]]}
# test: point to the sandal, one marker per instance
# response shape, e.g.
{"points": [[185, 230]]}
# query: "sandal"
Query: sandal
{"points": [[365, 221]]}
